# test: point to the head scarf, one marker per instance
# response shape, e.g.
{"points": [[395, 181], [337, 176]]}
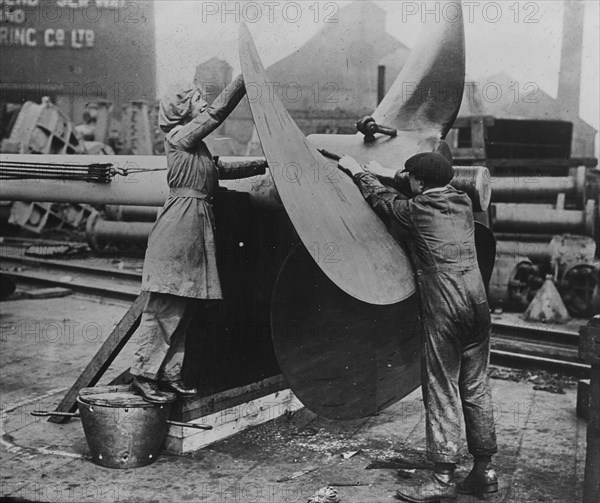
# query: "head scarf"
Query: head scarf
{"points": [[175, 106]]}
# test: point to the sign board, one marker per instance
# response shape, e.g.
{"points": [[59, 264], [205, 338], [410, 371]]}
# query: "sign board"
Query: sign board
{"points": [[95, 49]]}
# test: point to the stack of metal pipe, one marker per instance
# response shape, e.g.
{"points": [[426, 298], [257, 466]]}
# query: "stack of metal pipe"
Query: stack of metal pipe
{"points": [[544, 225], [121, 224]]}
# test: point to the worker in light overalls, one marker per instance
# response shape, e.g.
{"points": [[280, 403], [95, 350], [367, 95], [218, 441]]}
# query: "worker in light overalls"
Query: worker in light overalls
{"points": [[180, 268]]}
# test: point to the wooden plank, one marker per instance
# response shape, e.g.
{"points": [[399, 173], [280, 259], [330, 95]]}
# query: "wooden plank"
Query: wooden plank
{"points": [[589, 341], [535, 349], [194, 408], [104, 357], [230, 421], [350, 243], [485, 244], [47, 293]]}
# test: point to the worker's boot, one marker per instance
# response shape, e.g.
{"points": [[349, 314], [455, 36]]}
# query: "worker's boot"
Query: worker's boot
{"points": [[481, 480], [441, 487], [180, 387], [150, 392]]}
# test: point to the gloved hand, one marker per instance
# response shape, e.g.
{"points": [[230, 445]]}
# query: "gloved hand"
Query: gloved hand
{"points": [[350, 166], [262, 167]]}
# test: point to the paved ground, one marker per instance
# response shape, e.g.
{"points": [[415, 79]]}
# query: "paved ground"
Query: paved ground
{"points": [[44, 344]]}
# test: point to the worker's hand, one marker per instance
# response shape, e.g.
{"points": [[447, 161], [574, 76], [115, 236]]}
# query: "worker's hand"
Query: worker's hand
{"points": [[349, 165], [262, 167], [378, 170]]}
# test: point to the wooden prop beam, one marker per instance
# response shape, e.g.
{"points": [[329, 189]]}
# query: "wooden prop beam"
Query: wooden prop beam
{"points": [[98, 365]]}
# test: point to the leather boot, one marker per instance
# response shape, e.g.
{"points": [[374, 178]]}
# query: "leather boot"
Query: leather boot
{"points": [[150, 392], [180, 387], [479, 482], [440, 487]]}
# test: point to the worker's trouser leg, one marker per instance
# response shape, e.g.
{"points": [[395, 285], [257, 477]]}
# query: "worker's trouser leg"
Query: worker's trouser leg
{"points": [[162, 330], [449, 374], [476, 399]]}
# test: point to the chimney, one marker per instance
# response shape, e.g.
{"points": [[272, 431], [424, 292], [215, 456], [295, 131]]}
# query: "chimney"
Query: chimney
{"points": [[569, 78]]}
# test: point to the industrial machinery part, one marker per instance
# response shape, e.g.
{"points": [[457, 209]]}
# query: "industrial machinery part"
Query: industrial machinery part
{"points": [[131, 213], [36, 217], [368, 127], [525, 236], [535, 218], [135, 130], [547, 306], [42, 129], [100, 232], [475, 181], [540, 188], [577, 287], [30, 216], [145, 185], [534, 250], [573, 258], [568, 250], [28, 170], [514, 283]]}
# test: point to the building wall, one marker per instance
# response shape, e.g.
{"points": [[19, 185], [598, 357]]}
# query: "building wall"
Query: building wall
{"points": [[77, 51]]}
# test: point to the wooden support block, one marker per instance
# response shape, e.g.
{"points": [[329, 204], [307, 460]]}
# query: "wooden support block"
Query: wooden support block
{"points": [[198, 407], [589, 341], [47, 293], [589, 350], [232, 420], [104, 357], [583, 399]]}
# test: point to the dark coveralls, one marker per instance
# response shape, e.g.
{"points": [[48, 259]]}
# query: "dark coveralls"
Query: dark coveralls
{"points": [[454, 314], [180, 264]]}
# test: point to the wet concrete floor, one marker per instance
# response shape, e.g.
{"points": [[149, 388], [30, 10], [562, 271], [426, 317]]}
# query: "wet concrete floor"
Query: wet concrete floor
{"points": [[45, 344]]}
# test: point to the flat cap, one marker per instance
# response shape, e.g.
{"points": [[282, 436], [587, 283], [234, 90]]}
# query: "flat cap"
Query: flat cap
{"points": [[431, 167]]}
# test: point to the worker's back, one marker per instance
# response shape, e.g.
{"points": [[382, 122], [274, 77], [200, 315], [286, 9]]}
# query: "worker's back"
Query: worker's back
{"points": [[444, 231], [443, 252]]}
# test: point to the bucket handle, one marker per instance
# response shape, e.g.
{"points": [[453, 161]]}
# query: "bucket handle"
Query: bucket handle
{"points": [[45, 413]]}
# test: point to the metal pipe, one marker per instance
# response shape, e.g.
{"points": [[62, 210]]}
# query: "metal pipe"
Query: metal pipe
{"points": [[124, 213], [529, 237], [99, 232], [147, 187], [533, 188], [474, 180], [535, 251], [510, 217]]}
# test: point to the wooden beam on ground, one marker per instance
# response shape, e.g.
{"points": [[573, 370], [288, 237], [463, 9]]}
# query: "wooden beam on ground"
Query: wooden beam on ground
{"points": [[104, 357]]}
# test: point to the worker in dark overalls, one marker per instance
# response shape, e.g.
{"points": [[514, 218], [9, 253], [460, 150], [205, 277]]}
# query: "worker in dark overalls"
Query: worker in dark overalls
{"points": [[455, 320], [180, 267]]}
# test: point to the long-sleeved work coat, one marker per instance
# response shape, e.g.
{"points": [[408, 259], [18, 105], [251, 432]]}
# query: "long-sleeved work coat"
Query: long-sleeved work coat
{"points": [[181, 254], [454, 314]]}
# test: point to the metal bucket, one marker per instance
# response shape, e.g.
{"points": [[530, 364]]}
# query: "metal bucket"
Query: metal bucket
{"points": [[122, 430]]}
